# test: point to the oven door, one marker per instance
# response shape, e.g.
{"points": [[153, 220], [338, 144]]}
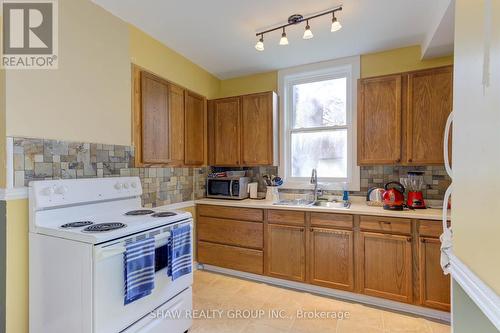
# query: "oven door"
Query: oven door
{"points": [[110, 315]]}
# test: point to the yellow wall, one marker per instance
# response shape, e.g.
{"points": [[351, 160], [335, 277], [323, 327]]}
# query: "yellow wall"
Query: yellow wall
{"points": [[149, 53], [398, 60], [373, 64], [17, 267], [88, 97], [249, 84]]}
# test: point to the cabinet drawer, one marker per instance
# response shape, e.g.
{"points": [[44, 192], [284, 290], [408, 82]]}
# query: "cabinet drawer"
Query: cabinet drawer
{"points": [[232, 257], [385, 224], [431, 228], [237, 213], [331, 220], [286, 217], [230, 232]]}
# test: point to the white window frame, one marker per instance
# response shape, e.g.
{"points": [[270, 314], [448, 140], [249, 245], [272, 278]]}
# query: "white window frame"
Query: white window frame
{"points": [[287, 78]]}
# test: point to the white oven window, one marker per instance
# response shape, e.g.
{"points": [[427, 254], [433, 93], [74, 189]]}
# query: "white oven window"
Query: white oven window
{"points": [[318, 104]]}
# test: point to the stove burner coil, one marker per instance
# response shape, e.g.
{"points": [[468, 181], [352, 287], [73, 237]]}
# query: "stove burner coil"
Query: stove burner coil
{"points": [[77, 224], [164, 214], [140, 212], [101, 227]]}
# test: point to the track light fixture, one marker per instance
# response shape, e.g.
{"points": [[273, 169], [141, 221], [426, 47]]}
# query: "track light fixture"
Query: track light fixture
{"points": [[296, 19]]}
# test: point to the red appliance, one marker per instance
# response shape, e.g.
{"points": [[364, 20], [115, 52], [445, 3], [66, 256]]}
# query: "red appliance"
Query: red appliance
{"points": [[416, 200], [393, 196]]}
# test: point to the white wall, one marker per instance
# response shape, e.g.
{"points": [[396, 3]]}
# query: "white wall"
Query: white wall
{"points": [[476, 143], [88, 97]]}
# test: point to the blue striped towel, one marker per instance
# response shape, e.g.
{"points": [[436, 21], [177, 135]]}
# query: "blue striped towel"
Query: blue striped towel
{"points": [[139, 262], [180, 260]]}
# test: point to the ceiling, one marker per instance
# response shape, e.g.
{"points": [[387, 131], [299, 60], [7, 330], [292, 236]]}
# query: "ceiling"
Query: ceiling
{"points": [[219, 35]]}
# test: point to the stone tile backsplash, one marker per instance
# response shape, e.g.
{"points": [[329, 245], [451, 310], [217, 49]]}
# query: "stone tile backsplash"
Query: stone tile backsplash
{"points": [[435, 178], [38, 159]]}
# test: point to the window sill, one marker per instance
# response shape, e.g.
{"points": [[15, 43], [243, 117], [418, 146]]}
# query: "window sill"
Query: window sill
{"points": [[326, 186]]}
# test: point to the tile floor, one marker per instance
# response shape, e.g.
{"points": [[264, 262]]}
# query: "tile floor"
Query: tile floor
{"points": [[220, 297]]}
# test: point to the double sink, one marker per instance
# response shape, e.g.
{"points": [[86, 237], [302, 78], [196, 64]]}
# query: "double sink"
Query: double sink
{"points": [[318, 203]]}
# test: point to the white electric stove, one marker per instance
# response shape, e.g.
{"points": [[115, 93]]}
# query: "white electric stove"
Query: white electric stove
{"points": [[78, 232]]}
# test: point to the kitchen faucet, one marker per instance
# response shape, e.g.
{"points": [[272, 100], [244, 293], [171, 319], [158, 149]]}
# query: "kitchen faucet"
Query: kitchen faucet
{"points": [[314, 180]]}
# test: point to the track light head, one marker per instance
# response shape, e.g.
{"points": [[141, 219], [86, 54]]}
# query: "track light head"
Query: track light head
{"points": [[284, 39], [336, 26], [308, 33], [260, 44]]}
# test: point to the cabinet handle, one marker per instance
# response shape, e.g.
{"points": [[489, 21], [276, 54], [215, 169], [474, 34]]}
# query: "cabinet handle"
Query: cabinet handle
{"points": [[410, 160], [398, 160], [408, 239], [385, 222], [301, 229]]}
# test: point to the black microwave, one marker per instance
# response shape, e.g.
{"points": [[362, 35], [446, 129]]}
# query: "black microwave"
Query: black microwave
{"points": [[228, 188]]}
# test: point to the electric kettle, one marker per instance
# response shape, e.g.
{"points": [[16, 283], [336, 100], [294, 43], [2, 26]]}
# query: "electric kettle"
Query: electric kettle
{"points": [[393, 196]]}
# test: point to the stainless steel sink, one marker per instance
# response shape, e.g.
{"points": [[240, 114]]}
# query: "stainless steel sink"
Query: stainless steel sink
{"points": [[294, 202], [308, 203], [330, 204]]}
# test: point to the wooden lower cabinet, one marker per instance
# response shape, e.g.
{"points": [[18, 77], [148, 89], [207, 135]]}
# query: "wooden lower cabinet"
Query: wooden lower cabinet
{"points": [[331, 258], [232, 257], [286, 252], [392, 258], [385, 266], [434, 286]]}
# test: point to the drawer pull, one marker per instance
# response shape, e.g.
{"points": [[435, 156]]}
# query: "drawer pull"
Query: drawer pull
{"points": [[385, 222]]}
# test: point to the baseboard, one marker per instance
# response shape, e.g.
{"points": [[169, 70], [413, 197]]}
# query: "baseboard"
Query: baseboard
{"points": [[484, 297], [345, 295]]}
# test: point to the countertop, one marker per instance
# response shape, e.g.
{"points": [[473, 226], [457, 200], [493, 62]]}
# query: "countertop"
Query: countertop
{"points": [[358, 207]]}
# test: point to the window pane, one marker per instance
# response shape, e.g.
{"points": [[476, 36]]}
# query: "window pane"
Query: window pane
{"points": [[321, 103], [324, 150]]}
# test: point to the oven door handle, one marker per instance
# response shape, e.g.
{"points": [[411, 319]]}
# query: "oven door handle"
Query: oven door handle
{"points": [[101, 254], [107, 252], [231, 188]]}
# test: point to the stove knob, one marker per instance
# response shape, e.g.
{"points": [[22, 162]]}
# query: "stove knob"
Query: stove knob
{"points": [[133, 184], [61, 190], [125, 185], [48, 191], [118, 186]]}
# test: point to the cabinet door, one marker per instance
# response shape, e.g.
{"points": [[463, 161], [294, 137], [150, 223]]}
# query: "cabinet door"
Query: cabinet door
{"points": [[429, 104], [176, 117], [379, 120], [286, 252], [331, 258], [257, 129], [386, 266], [195, 134], [224, 126], [155, 132], [434, 285]]}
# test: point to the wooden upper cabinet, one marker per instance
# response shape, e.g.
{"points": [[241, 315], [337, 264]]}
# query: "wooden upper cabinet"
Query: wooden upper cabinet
{"points": [[155, 131], [177, 124], [195, 129], [385, 266], [285, 252], [224, 132], [379, 120], [169, 122], [434, 285], [243, 130], [430, 102], [331, 258], [257, 147]]}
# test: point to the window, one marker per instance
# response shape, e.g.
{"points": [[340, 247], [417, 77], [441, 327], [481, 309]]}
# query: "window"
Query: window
{"points": [[318, 118]]}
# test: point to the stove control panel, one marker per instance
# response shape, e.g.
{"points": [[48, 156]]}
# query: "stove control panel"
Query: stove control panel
{"points": [[53, 193]]}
